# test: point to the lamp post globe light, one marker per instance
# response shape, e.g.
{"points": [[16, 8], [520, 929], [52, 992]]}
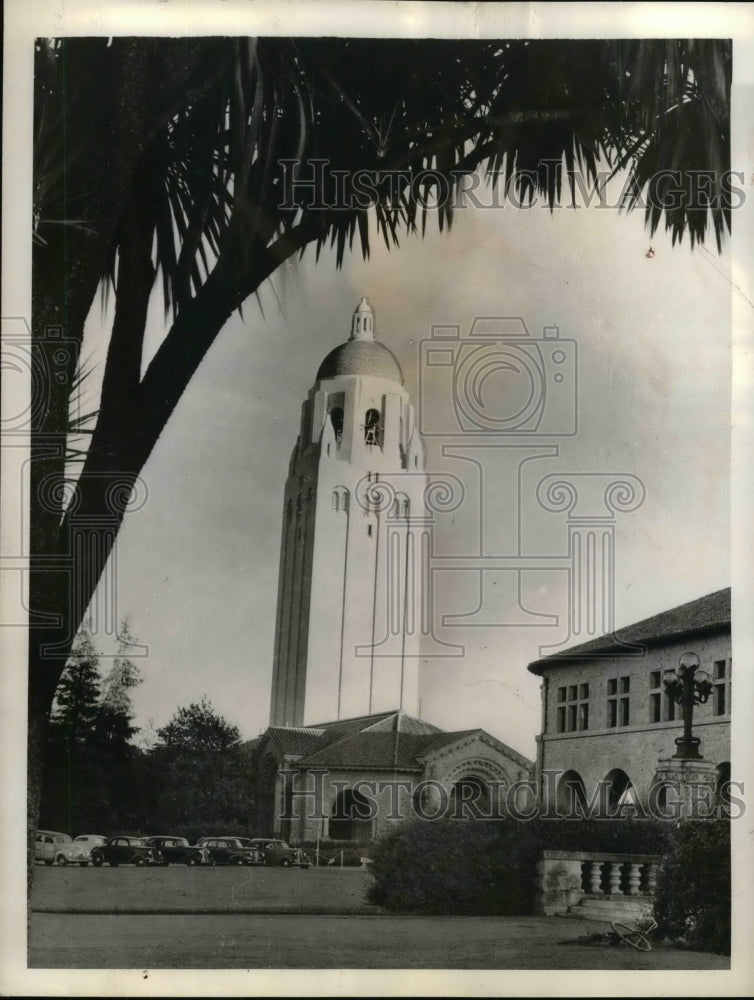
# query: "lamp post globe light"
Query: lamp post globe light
{"points": [[688, 685]]}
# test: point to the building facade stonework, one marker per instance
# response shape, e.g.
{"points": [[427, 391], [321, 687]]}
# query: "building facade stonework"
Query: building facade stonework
{"points": [[606, 716]]}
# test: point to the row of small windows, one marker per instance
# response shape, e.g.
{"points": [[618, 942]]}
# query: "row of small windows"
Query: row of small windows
{"points": [[340, 499], [572, 713]]}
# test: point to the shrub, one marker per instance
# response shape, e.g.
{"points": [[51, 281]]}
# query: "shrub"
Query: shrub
{"points": [[694, 889], [454, 867]]}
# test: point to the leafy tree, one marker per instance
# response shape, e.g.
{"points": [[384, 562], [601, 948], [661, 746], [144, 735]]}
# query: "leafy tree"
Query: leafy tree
{"points": [[199, 773], [185, 146], [199, 729]]}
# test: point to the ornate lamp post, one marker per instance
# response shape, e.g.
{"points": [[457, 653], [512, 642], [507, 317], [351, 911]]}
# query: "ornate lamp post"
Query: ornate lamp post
{"points": [[687, 685]]}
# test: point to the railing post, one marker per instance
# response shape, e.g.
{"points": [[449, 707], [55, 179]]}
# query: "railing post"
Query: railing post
{"points": [[615, 868], [651, 879], [634, 878], [595, 878]]}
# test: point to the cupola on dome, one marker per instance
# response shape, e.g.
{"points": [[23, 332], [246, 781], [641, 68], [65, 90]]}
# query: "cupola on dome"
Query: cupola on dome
{"points": [[361, 354]]}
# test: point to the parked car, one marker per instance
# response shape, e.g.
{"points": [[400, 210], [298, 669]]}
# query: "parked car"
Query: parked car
{"points": [[229, 851], [79, 850], [124, 851], [277, 852], [46, 843], [177, 850]]}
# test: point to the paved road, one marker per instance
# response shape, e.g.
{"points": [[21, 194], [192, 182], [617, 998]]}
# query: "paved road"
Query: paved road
{"points": [[248, 941]]}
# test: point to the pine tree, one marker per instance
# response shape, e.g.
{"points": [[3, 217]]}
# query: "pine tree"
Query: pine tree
{"points": [[77, 698], [115, 715]]}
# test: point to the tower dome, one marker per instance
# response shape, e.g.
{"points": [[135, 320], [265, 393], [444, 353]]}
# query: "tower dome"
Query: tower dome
{"points": [[361, 354]]}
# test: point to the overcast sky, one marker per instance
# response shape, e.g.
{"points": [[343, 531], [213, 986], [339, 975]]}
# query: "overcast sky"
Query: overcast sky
{"points": [[197, 565]]}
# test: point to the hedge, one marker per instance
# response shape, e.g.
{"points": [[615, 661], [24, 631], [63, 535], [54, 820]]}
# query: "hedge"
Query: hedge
{"points": [[694, 888]]}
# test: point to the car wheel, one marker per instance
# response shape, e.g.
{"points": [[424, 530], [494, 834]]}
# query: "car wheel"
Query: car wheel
{"points": [[285, 863], [61, 860], [191, 861], [97, 860], [83, 864], [140, 861], [237, 861]]}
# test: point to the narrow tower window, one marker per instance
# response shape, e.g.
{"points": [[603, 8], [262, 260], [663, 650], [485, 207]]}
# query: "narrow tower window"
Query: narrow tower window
{"points": [[336, 418], [372, 427]]}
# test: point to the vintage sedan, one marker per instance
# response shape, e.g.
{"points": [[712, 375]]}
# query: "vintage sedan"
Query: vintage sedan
{"points": [[79, 850], [47, 843], [229, 851], [178, 851], [125, 851], [278, 852]]}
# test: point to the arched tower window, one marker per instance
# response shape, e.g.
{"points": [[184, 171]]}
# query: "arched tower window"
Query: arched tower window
{"points": [[400, 507], [339, 500], [372, 427], [336, 418]]}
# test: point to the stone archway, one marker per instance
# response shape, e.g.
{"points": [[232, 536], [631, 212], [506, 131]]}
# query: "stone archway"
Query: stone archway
{"points": [[476, 788], [621, 794], [570, 798], [351, 817]]}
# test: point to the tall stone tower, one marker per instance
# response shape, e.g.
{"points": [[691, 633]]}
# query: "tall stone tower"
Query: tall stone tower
{"points": [[350, 593]]}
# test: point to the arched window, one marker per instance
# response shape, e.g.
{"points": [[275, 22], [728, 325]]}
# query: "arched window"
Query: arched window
{"points": [[351, 817], [336, 419], [339, 500], [372, 427], [621, 796], [400, 507], [470, 798], [571, 795]]}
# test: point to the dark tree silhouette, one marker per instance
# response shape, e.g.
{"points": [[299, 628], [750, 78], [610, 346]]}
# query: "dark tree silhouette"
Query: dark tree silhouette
{"points": [[199, 729]]}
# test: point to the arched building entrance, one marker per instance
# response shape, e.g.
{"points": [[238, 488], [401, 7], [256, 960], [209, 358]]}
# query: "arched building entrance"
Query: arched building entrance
{"points": [[351, 817]]}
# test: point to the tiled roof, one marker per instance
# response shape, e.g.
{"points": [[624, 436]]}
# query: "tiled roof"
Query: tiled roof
{"points": [[384, 742], [372, 751], [296, 741], [705, 614]]}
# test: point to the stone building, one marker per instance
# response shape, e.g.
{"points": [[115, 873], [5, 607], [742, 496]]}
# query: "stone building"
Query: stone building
{"points": [[606, 716], [351, 614], [354, 779]]}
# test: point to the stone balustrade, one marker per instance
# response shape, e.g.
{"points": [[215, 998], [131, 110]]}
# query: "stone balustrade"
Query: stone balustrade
{"points": [[567, 877]]}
